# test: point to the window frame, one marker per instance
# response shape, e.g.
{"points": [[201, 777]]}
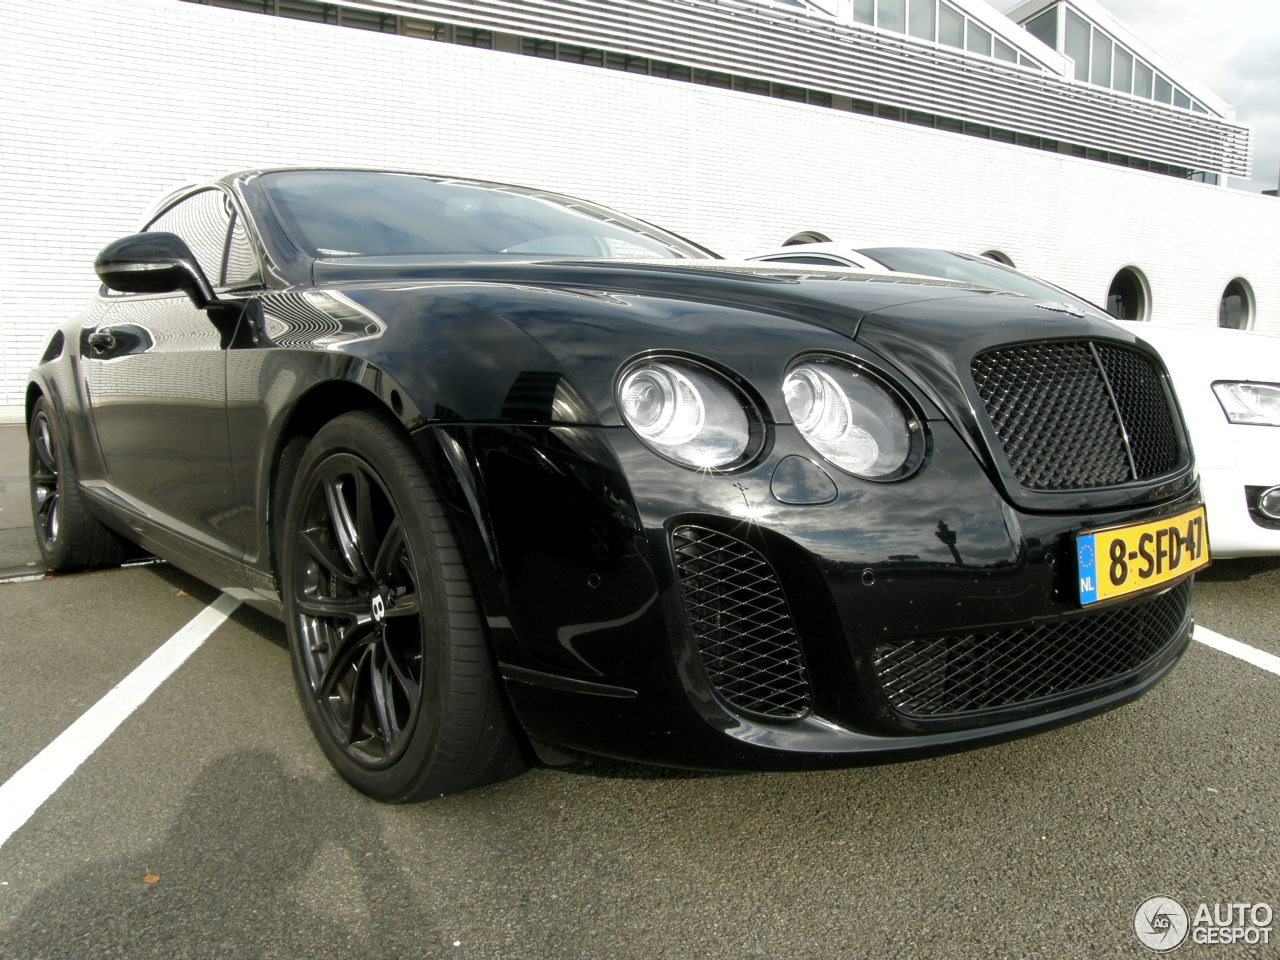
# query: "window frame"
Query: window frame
{"points": [[236, 214]]}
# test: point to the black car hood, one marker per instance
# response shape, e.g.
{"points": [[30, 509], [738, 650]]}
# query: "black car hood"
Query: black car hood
{"points": [[833, 298]]}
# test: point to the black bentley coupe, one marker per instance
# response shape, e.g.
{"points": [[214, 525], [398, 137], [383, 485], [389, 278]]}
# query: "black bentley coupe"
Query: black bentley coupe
{"points": [[525, 477]]}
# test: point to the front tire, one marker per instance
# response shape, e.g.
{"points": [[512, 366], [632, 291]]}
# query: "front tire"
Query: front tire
{"points": [[389, 654], [68, 535]]}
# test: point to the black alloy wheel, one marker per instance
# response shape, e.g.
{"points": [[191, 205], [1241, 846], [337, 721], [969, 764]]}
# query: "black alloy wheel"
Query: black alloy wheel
{"points": [[390, 659], [356, 597], [68, 535], [44, 481]]}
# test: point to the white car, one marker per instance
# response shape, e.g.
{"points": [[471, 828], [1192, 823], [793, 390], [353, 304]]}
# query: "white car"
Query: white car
{"points": [[1226, 382]]}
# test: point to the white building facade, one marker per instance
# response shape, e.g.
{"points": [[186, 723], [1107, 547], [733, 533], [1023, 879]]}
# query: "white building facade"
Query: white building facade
{"points": [[109, 103]]}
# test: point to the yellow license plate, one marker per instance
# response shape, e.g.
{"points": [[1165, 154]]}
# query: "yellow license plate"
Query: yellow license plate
{"points": [[1124, 560]]}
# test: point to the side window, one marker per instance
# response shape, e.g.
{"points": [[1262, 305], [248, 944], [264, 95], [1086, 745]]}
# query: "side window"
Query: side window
{"points": [[202, 220]]}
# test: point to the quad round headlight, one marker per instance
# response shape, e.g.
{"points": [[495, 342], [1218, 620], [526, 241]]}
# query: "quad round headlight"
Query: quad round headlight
{"points": [[852, 419], [686, 412]]}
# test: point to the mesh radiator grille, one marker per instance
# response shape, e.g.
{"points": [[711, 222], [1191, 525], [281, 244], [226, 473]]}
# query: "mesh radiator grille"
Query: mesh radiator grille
{"points": [[1074, 414]]}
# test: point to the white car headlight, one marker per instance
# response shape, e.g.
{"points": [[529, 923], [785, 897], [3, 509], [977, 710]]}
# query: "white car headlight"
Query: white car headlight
{"points": [[687, 413], [1257, 403], [852, 419]]}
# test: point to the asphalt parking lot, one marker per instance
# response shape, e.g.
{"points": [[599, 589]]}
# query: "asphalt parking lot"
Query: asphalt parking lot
{"points": [[209, 825]]}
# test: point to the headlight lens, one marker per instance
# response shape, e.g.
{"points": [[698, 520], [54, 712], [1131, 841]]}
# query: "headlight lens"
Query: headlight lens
{"points": [[686, 412], [1257, 403], [851, 419]]}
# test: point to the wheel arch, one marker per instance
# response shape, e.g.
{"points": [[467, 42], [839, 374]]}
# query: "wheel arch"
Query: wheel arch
{"points": [[319, 404], [324, 401], [34, 393]]}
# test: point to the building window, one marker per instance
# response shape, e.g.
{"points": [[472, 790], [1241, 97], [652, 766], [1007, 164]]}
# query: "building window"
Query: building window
{"points": [[307, 10], [892, 15], [1044, 27], [671, 71], [532, 47], [572, 53], [977, 40], [1077, 44], [423, 29], [1235, 309], [713, 78], [921, 17], [1122, 70], [950, 26], [627, 63], [1129, 296], [471, 37], [998, 256]]}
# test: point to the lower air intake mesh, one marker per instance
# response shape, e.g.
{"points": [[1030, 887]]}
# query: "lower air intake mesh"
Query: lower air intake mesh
{"points": [[950, 676], [741, 623]]}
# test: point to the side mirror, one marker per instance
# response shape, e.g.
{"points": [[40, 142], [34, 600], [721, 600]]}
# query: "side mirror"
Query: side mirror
{"points": [[153, 263]]}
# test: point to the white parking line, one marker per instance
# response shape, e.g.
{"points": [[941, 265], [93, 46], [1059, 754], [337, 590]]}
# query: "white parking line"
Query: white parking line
{"points": [[1259, 658], [24, 792]]}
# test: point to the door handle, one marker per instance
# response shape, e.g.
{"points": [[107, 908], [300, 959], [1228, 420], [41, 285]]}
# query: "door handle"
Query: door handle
{"points": [[102, 340]]}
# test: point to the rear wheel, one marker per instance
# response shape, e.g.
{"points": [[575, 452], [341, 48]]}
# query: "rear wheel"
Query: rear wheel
{"points": [[68, 535], [389, 655]]}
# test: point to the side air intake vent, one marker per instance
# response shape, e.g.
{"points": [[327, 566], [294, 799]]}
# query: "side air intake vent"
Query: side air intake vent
{"points": [[741, 624]]}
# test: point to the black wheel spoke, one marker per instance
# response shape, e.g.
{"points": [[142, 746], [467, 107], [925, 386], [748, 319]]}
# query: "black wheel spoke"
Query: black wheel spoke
{"points": [[331, 561], [411, 687], [366, 535], [46, 500], [44, 450], [389, 550], [359, 697], [348, 654], [344, 527], [380, 690], [352, 607]]}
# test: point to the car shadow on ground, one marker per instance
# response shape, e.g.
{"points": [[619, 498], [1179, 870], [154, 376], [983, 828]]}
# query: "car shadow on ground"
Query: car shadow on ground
{"points": [[243, 864]]}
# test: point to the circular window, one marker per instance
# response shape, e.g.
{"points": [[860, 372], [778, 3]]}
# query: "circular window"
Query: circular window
{"points": [[1129, 296], [998, 257], [1235, 309], [806, 236]]}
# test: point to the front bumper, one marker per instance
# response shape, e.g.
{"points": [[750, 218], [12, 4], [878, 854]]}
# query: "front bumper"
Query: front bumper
{"points": [[572, 532]]}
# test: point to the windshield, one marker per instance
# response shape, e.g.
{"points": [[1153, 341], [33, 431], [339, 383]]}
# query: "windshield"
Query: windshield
{"points": [[977, 270], [351, 213]]}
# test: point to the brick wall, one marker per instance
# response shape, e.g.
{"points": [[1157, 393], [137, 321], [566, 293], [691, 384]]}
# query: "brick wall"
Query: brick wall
{"points": [[109, 103]]}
